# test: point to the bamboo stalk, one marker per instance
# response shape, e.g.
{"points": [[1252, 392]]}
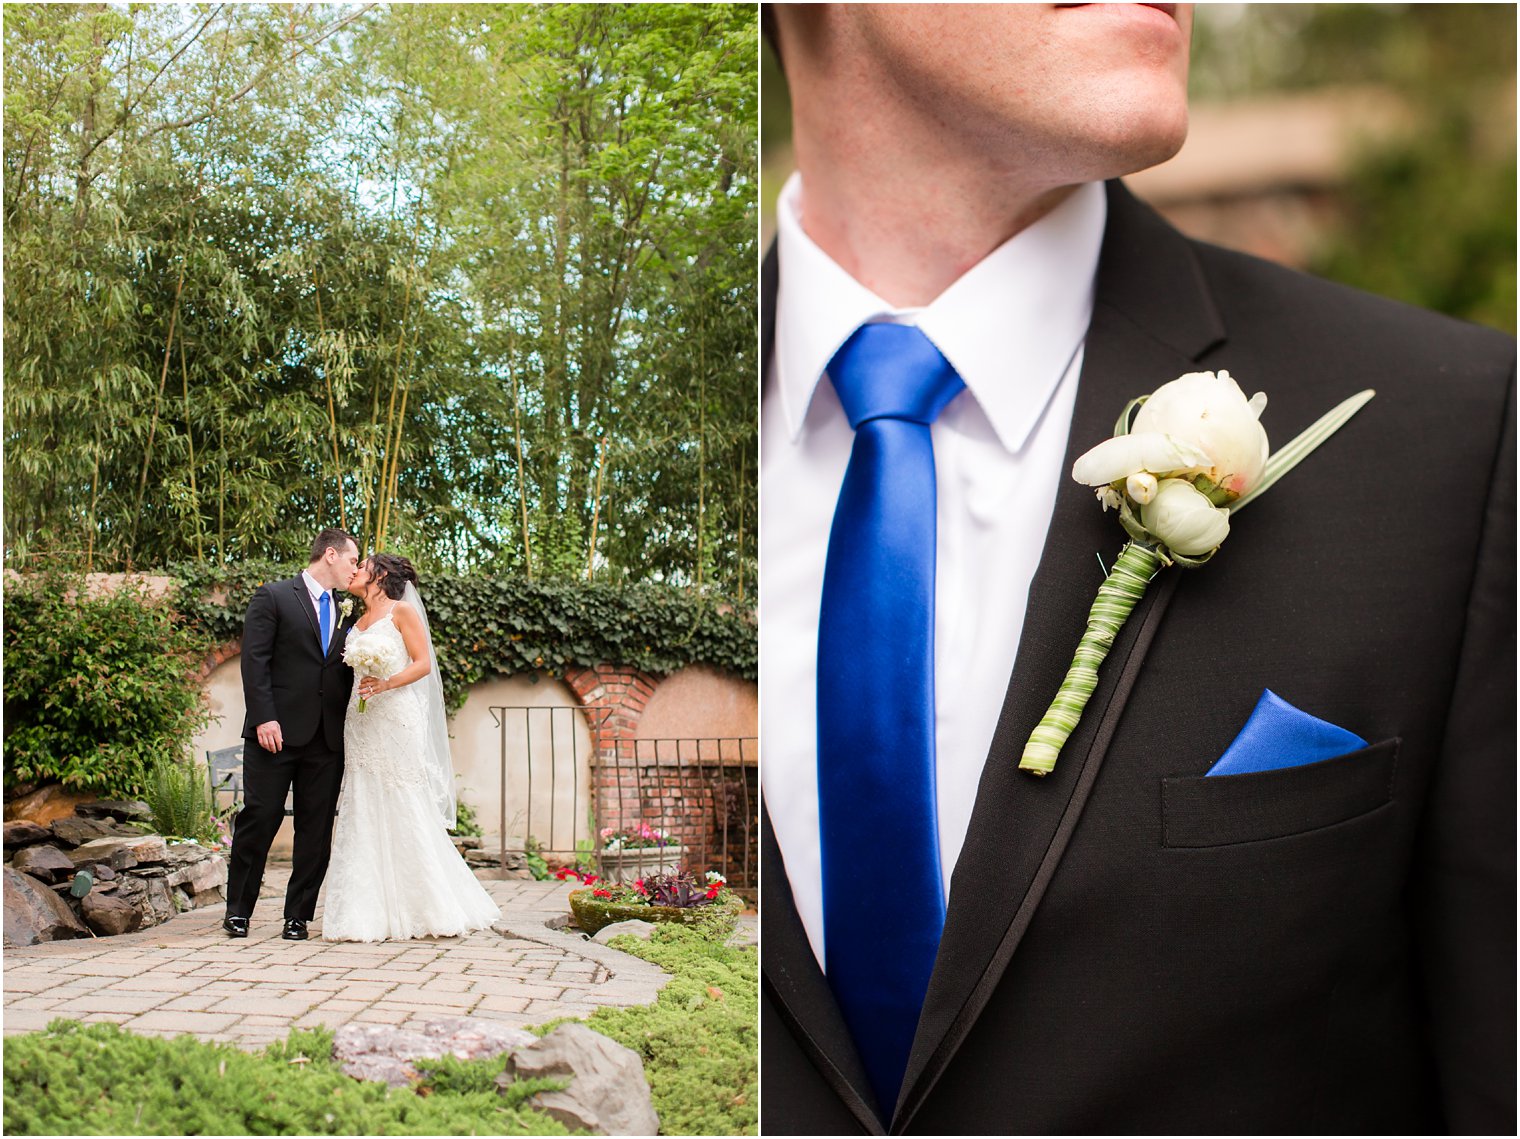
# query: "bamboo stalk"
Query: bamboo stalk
{"points": [[163, 379], [388, 458], [195, 498], [393, 491], [332, 414], [221, 482], [596, 504], [89, 546], [522, 493]]}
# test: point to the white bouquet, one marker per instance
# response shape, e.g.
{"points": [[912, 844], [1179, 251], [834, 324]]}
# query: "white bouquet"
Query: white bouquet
{"points": [[369, 656]]}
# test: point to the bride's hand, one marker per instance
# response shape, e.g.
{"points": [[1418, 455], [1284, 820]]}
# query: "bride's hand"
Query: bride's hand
{"points": [[369, 685]]}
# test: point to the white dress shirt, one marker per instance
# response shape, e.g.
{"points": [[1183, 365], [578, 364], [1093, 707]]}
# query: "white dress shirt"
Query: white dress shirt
{"points": [[314, 587], [1013, 327]]}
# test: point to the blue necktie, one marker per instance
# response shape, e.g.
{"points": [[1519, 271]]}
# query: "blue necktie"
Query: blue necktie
{"points": [[876, 699], [324, 619]]}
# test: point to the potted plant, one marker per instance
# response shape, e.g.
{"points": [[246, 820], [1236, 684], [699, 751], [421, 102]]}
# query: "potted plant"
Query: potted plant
{"points": [[629, 854], [677, 897]]}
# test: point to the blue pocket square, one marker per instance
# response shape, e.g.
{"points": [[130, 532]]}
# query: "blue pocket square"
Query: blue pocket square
{"points": [[1279, 735]]}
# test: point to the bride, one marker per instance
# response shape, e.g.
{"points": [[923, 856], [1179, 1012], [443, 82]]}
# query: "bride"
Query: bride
{"points": [[394, 872]]}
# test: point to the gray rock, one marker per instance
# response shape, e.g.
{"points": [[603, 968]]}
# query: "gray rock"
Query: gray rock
{"points": [[122, 810], [471, 1038], [122, 853], [109, 916], [209, 873], [45, 862], [186, 853], [34, 913], [103, 872], [24, 832], [150, 897], [466, 841], [607, 1093], [391, 1055], [640, 929], [76, 831]]}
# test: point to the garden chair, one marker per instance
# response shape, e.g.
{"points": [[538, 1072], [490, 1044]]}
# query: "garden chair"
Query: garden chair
{"points": [[224, 767]]}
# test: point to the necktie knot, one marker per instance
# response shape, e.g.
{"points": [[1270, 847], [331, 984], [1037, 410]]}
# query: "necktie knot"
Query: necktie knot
{"points": [[892, 371]]}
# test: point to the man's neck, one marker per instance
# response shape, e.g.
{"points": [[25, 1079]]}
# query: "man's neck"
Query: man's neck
{"points": [[907, 225], [315, 572]]}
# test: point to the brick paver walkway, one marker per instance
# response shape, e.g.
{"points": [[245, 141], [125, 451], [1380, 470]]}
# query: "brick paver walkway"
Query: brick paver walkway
{"points": [[188, 976]]}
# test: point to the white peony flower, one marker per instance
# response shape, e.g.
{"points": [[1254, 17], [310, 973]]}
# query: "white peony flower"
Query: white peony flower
{"points": [[1198, 424], [1182, 518]]}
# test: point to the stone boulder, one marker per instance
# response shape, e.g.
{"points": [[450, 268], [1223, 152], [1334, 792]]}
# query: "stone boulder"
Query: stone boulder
{"points": [[24, 832], [197, 876], [76, 831], [122, 853], [122, 810], [34, 913], [107, 915], [387, 1054], [639, 929], [55, 801], [607, 1093], [47, 863], [149, 896]]}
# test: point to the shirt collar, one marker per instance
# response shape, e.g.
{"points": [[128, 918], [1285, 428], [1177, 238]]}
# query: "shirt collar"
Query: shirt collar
{"points": [[1009, 325], [313, 586]]}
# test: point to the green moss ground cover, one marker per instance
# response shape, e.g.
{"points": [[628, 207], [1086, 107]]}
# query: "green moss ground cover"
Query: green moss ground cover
{"points": [[699, 1045]]}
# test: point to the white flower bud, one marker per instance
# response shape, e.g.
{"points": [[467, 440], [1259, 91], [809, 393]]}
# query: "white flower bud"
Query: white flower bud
{"points": [[1141, 487], [1182, 518]]}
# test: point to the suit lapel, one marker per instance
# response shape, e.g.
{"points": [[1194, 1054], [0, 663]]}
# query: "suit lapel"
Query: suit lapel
{"points": [[303, 598], [1152, 320], [801, 992], [309, 607]]}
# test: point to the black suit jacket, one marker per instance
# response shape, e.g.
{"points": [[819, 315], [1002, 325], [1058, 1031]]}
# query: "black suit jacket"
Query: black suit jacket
{"points": [[286, 676], [1132, 948]]}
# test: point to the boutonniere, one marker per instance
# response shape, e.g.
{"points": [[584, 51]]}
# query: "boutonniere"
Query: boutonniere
{"points": [[346, 607], [1194, 455]]}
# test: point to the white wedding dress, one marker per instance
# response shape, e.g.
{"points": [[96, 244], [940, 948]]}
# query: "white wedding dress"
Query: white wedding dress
{"points": [[394, 872]]}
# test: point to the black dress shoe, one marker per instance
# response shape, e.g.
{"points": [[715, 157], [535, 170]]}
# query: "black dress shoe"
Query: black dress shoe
{"points": [[295, 930], [235, 927]]}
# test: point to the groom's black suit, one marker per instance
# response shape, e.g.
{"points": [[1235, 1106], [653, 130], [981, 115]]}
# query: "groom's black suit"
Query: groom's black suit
{"points": [[288, 678], [1131, 948]]}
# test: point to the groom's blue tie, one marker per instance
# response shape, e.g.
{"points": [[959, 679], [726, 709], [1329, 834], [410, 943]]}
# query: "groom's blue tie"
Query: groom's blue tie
{"points": [[883, 897], [324, 618]]}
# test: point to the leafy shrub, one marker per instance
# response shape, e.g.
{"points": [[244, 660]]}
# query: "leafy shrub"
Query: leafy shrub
{"points": [[700, 1040], [99, 1079], [485, 626], [179, 795], [466, 822], [97, 689]]}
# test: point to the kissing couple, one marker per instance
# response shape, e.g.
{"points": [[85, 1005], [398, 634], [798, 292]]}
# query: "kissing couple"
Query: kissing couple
{"points": [[374, 754]]}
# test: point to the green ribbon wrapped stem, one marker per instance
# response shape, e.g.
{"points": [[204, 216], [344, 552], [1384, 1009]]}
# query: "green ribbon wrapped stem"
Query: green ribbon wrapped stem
{"points": [[1125, 585]]}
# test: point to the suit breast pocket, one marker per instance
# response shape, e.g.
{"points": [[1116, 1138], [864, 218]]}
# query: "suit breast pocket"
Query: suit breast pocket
{"points": [[1220, 810]]}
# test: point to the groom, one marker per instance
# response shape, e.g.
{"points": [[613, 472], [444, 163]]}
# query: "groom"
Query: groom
{"points": [[1129, 945], [296, 688]]}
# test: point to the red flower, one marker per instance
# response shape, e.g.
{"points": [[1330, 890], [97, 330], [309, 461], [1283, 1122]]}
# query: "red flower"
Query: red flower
{"points": [[712, 891], [564, 872], [639, 886], [589, 878], [601, 893]]}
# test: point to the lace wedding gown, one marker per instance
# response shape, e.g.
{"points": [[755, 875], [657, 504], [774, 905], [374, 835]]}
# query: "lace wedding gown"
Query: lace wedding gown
{"points": [[394, 872]]}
